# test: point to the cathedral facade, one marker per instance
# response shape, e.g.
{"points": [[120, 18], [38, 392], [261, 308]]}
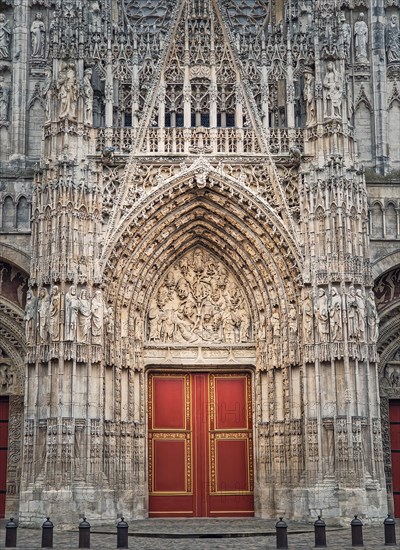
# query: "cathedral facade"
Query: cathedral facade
{"points": [[199, 259]]}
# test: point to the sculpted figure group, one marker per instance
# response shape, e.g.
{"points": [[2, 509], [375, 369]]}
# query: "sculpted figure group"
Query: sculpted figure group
{"points": [[199, 301], [362, 316], [73, 317]]}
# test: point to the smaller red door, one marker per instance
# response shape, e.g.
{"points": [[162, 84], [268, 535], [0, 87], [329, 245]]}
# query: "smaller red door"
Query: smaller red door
{"points": [[4, 407], [394, 418]]}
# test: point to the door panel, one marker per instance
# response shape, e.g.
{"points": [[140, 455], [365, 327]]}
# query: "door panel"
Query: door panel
{"points": [[200, 445], [170, 455], [394, 418], [4, 411], [231, 445]]}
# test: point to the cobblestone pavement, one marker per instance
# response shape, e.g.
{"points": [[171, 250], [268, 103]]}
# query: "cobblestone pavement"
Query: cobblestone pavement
{"points": [[238, 534]]}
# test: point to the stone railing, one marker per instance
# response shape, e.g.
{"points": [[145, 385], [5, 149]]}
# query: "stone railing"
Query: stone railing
{"points": [[201, 140]]}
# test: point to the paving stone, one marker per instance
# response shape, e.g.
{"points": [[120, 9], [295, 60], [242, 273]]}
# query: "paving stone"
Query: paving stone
{"points": [[202, 535]]}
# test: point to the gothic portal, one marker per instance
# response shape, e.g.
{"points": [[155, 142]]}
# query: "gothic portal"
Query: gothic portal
{"points": [[199, 247]]}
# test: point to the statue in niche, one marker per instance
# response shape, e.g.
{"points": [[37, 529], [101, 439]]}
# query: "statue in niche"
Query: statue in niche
{"points": [[361, 315], [47, 93], [88, 96], [38, 37], [352, 314], [335, 315], [309, 96], [55, 309], [293, 329], [71, 313], [42, 315], [30, 317], [110, 323], [332, 92], [199, 301], [345, 31], [361, 39], [4, 101], [372, 318], [393, 40], [67, 91], [322, 316], [97, 310], [5, 37], [308, 317], [84, 313], [95, 17]]}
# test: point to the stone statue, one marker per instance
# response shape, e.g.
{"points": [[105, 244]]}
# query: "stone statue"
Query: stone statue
{"points": [[393, 40], [30, 317], [361, 314], [38, 37], [55, 309], [352, 314], [67, 91], [4, 101], [71, 313], [345, 31], [5, 37], [88, 96], [47, 93], [335, 315], [97, 317], [333, 92], [94, 17], [42, 315], [372, 318], [309, 96], [84, 313], [308, 317], [322, 316], [361, 39]]}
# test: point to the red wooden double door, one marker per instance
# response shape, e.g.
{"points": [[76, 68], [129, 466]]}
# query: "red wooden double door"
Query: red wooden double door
{"points": [[200, 445]]}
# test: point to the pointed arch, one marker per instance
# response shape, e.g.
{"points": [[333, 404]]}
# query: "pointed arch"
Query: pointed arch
{"points": [[245, 237]]}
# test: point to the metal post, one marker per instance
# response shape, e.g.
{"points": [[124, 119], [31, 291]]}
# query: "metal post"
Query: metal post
{"points": [[390, 531], [11, 534], [84, 534], [47, 534], [320, 533], [356, 532], [281, 534], [122, 534]]}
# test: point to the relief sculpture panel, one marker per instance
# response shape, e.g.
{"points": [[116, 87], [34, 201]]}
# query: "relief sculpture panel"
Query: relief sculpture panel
{"points": [[199, 301]]}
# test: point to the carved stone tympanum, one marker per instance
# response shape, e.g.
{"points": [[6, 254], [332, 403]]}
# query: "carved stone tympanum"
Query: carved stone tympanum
{"points": [[198, 301]]}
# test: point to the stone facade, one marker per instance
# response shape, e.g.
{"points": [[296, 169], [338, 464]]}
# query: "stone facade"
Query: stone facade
{"points": [[199, 184]]}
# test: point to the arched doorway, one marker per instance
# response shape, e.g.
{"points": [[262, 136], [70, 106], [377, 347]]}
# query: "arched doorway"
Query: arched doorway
{"points": [[206, 284]]}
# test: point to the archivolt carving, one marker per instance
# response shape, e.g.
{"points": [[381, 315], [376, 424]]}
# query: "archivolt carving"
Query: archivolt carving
{"points": [[199, 300], [235, 229]]}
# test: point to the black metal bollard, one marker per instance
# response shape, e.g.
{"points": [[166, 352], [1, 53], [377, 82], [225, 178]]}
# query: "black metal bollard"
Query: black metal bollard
{"points": [[122, 534], [11, 534], [47, 534], [356, 532], [281, 534], [390, 531], [84, 534], [320, 533]]}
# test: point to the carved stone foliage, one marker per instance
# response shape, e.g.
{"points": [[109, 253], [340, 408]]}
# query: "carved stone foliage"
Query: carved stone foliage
{"points": [[199, 300]]}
